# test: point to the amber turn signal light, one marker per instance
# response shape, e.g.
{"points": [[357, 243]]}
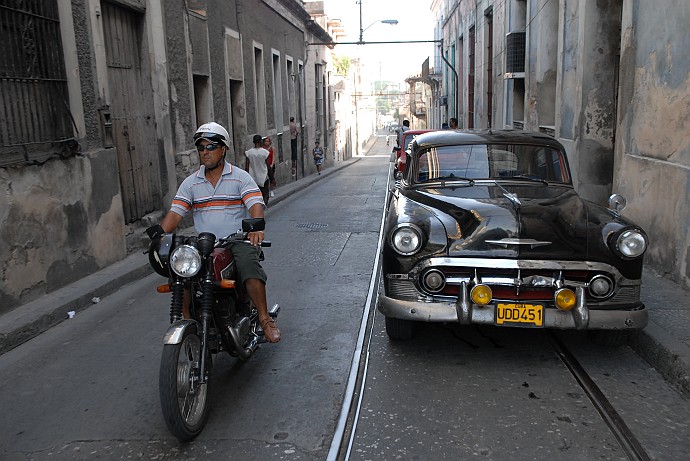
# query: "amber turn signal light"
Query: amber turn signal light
{"points": [[565, 299], [167, 288], [481, 294], [227, 284]]}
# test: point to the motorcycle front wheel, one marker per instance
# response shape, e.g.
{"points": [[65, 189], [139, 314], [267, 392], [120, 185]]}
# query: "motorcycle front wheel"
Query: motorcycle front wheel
{"points": [[183, 400]]}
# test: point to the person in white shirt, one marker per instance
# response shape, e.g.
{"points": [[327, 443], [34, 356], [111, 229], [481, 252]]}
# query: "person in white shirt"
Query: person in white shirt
{"points": [[256, 166]]}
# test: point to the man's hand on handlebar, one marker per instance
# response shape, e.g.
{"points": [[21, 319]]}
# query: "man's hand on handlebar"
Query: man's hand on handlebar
{"points": [[255, 238]]}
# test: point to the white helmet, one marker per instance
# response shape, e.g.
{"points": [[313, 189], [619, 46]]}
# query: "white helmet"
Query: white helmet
{"points": [[212, 132]]}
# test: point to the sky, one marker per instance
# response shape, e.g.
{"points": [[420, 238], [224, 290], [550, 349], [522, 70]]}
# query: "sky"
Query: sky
{"points": [[393, 62]]}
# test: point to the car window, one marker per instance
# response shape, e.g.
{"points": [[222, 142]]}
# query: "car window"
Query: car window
{"points": [[492, 161], [407, 141]]}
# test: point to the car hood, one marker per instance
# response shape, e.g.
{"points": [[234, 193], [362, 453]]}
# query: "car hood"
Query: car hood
{"points": [[509, 221]]}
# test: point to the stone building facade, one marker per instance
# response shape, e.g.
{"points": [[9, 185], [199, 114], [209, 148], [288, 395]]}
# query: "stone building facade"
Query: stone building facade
{"points": [[100, 99], [609, 79]]}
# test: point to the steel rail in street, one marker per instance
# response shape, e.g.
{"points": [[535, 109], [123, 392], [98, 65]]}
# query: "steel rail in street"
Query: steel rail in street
{"points": [[347, 421], [625, 437]]}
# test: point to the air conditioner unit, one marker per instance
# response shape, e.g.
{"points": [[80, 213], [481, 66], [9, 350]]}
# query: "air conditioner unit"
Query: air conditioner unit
{"points": [[515, 54], [443, 101]]}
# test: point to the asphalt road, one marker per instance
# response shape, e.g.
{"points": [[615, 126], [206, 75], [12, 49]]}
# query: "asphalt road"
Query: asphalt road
{"points": [[88, 388]]}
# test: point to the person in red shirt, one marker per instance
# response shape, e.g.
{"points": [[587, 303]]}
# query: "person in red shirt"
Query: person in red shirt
{"points": [[271, 162]]}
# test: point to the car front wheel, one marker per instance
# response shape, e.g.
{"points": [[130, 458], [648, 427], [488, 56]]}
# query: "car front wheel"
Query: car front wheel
{"points": [[609, 338], [399, 329]]}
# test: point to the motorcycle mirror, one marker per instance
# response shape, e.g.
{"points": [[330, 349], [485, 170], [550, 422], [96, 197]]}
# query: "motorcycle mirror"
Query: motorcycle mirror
{"points": [[253, 224]]}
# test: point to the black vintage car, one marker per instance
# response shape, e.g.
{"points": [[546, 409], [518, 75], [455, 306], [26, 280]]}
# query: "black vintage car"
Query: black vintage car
{"points": [[485, 227]]}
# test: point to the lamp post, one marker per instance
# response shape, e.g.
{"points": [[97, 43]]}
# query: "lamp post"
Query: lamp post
{"points": [[392, 22]]}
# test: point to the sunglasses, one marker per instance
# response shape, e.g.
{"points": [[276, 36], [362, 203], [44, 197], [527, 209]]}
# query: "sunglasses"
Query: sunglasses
{"points": [[208, 147]]}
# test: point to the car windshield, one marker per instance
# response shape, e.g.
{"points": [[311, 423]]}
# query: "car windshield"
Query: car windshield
{"points": [[516, 162]]}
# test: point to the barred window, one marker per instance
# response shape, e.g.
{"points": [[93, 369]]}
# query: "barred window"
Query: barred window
{"points": [[35, 120]]}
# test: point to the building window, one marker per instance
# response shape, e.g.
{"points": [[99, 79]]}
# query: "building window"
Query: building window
{"points": [[260, 90], [277, 93], [470, 79], [36, 119]]}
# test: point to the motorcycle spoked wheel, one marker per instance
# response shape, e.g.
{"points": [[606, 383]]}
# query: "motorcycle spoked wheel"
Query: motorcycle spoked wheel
{"points": [[184, 402]]}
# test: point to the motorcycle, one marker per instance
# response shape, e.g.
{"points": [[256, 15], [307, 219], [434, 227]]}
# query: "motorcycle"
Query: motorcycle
{"points": [[222, 318]]}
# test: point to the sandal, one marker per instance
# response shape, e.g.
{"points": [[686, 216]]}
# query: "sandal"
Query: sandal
{"points": [[271, 331]]}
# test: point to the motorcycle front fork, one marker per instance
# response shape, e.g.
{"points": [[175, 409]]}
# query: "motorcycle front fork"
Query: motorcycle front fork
{"points": [[205, 316]]}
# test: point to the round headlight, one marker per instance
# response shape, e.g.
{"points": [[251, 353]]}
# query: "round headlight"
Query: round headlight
{"points": [[406, 240], [600, 286], [631, 243], [434, 280], [185, 261]]}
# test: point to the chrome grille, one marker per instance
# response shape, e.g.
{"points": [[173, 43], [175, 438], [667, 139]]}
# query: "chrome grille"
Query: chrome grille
{"points": [[629, 294], [401, 289]]}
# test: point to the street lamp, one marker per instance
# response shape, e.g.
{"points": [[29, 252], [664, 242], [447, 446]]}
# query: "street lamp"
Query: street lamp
{"points": [[392, 22]]}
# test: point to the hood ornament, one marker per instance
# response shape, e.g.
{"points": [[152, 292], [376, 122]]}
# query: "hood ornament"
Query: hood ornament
{"points": [[506, 242], [514, 199]]}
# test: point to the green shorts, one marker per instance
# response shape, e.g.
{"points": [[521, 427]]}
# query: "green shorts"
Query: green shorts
{"points": [[247, 261]]}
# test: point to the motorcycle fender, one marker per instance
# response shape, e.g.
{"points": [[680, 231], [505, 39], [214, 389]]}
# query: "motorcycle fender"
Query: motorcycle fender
{"points": [[176, 331]]}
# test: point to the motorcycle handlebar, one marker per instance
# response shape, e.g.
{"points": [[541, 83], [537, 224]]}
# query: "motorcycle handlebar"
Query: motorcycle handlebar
{"points": [[241, 238]]}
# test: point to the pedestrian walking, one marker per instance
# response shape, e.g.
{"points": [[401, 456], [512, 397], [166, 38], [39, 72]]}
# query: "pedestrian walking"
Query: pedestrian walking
{"points": [[255, 164], [270, 162], [294, 131], [318, 156]]}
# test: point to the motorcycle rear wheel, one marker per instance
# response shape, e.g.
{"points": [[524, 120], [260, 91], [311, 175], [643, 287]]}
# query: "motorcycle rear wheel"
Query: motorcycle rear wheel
{"points": [[184, 401]]}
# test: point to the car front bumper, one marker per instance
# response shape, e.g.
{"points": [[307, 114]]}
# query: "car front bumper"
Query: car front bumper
{"points": [[465, 312]]}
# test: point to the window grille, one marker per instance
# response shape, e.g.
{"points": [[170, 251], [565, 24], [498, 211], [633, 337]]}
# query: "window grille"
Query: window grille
{"points": [[515, 54], [35, 121]]}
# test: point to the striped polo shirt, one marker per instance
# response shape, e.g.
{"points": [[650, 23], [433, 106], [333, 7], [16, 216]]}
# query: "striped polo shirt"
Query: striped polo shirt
{"points": [[219, 210]]}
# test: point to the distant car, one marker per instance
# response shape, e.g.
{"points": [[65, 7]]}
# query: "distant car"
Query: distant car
{"points": [[485, 227], [400, 151]]}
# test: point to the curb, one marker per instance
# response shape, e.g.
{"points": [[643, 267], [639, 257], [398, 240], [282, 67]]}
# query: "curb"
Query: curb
{"points": [[667, 355], [32, 319]]}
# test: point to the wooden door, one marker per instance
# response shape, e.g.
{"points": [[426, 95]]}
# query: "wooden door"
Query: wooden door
{"points": [[132, 111]]}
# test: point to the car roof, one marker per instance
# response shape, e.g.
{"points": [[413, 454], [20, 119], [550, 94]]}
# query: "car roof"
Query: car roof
{"points": [[487, 136], [416, 131]]}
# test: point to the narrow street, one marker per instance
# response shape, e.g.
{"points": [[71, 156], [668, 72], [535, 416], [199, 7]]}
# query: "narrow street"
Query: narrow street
{"points": [[88, 388]]}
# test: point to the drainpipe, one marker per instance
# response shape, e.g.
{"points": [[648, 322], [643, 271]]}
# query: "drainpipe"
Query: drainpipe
{"points": [[457, 82]]}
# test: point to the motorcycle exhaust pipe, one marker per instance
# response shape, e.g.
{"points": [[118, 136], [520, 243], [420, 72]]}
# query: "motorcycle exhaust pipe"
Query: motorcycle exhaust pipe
{"points": [[240, 330]]}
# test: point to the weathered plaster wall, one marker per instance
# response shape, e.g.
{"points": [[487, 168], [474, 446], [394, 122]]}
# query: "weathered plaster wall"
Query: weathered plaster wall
{"points": [[541, 64], [597, 45], [59, 222], [653, 146]]}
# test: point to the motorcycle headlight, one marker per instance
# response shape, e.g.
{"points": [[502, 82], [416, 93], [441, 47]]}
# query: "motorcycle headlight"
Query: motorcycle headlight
{"points": [[631, 243], [406, 239], [185, 261]]}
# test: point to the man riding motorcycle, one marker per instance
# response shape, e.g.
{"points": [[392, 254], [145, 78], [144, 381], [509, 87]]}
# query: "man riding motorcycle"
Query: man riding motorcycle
{"points": [[220, 195]]}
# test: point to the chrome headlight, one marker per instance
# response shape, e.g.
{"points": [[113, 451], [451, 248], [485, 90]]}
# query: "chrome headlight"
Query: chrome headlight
{"points": [[406, 239], [185, 261], [631, 243]]}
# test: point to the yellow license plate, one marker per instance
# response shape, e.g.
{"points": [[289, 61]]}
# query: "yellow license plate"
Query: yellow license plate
{"points": [[530, 314]]}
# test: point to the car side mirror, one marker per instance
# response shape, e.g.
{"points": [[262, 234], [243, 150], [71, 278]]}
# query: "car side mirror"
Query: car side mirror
{"points": [[617, 203], [253, 224]]}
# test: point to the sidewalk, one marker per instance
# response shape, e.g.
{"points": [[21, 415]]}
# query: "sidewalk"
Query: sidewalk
{"points": [[32, 319], [664, 343]]}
